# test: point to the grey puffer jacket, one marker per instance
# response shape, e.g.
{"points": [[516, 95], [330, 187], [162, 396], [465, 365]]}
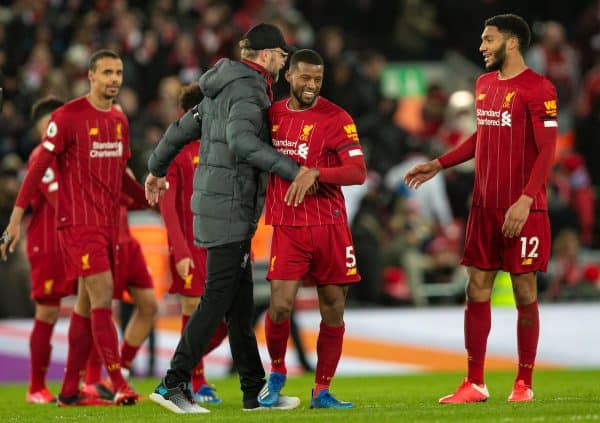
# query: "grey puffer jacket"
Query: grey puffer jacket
{"points": [[236, 155]]}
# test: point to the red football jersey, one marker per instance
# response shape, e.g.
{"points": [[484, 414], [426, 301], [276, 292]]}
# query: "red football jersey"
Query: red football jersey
{"points": [[41, 233], [514, 118], [178, 197], [314, 137], [92, 148]]}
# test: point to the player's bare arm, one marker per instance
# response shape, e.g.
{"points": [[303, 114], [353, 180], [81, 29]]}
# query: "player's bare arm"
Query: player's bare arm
{"points": [[421, 173]]}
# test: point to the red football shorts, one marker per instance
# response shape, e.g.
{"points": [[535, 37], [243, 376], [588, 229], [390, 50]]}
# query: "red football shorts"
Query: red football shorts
{"points": [[48, 281], [321, 254], [88, 250], [131, 270], [193, 284], [486, 248]]}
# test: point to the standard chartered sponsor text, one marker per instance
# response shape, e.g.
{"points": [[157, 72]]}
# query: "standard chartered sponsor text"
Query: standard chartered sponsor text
{"points": [[106, 149], [286, 147], [488, 113]]}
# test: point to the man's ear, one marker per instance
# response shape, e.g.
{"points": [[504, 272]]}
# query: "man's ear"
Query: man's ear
{"points": [[513, 43], [288, 76]]}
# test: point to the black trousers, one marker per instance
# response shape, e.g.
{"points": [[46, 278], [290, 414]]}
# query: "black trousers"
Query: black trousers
{"points": [[228, 294]]}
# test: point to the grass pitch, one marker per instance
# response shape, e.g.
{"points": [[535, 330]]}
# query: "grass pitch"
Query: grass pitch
{"points": [[561, 396]]}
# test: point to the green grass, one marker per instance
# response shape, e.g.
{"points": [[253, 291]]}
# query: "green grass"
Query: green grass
{"points": [[560, 396]]}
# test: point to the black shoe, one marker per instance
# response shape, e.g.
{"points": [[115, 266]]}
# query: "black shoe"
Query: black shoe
{"points": [[178, 399]]}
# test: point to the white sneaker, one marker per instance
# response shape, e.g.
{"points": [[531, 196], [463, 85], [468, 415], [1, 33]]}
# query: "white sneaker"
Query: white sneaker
{"points": [[178, 400], [284, 403]]}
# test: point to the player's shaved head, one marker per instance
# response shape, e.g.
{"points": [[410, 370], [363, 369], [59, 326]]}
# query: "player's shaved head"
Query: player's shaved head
{"points": [[101, 54], [512, 25], [306, 56]]}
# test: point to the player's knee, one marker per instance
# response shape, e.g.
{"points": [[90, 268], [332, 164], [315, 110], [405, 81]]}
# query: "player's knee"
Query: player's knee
{"points": [[478, 292], [280, 310], [47, 315], [524, 295], [148, 308]]}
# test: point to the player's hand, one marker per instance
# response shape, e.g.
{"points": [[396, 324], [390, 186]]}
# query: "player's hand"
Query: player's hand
{"points": [[304, 180], [313, 189], [11, 235], [516, 216], [184, 267], [155, 188], [422, 172]]}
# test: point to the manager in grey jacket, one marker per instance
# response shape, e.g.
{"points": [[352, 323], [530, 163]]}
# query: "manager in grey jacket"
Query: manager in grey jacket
{"points": [[229, 191]]}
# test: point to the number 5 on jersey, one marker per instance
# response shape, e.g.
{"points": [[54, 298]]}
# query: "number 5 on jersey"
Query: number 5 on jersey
{"points": [[350, 261]]}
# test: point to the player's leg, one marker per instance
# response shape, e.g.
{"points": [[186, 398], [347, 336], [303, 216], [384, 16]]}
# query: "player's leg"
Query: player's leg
{"points": [[140, 324], [332, 300], [40, 348], [99, 287], [477, 325], [138, 283], [524, 256], [478, 320], [290, 260], [80, 344], [528, 332], [277, 332], [333, 267], [483, 251]]}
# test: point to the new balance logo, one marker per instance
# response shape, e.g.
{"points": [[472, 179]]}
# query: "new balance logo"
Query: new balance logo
{"points": [[187, 281], [506, 119], [85, 262]]}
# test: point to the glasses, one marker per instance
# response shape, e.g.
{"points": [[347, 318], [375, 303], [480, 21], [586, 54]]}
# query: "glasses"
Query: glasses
{"points": [[283, 54]]}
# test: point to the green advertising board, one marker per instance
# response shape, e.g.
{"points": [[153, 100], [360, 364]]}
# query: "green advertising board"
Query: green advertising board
{"points": [[403, 81]]}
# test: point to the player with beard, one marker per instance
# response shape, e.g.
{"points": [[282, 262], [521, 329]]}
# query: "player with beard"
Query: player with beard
{"points": [[311, 241], [229, 190], [89, 139], [508, 227]]}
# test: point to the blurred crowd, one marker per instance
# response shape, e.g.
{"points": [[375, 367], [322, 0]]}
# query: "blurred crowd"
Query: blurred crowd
{"points": [[408, 243]]}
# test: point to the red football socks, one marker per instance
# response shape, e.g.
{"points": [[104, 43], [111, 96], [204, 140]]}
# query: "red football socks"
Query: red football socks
{"points": [[128, 353], [80, 344], [528, 332], [198, 378], [277, 335], [93, 371], [184, 320], [217, 338], [478, 322], [107, 343], [329, 351], [39, 350]]}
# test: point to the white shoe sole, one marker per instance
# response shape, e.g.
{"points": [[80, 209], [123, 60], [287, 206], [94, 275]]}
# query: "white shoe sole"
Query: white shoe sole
{"points": [[157, 398], [284, 403]]}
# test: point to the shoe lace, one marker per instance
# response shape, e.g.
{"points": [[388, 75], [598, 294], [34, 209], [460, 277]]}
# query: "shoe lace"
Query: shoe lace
{"points": [[183, 387], [328, 398], [207, 391]]}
